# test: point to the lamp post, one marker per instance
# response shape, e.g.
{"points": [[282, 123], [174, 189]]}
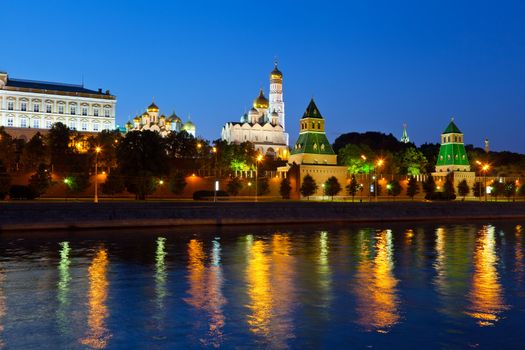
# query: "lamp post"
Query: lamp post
{"points": [[379, 164], [97, 151], [214, 150], [484, 168], [257, 160]]}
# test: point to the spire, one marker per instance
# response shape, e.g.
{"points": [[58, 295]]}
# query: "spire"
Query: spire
{"points": [[404, 137], [312, 111]]}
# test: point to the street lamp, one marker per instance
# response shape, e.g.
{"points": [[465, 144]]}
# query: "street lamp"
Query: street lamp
{"points": [[97, 151], [214, 150], [484, 168], [257, 160], [379, 164]]}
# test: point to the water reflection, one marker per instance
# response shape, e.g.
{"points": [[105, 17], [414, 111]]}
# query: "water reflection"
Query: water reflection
{"points": [[258, 288], [324, 269], [518, 254], [206, 289], [375, 286], [63, 287], [3, 306], [486, 296], [161, 276], [98, 335]]}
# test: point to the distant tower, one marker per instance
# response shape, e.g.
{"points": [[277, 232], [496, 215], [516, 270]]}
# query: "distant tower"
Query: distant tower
{"points": [[276, 94], [487, 146], [452, 154], [404, 137]]}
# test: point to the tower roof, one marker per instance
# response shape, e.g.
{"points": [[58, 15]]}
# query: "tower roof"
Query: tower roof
{"points": [[312, 111], [276, 73], [153, 107], [452, 128], [261, 101], [404, 137]]}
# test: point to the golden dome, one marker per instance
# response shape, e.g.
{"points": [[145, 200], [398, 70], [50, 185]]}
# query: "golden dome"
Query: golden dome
{"points": [[276, 73], [261, 101], [153, 107], [136, 119]]}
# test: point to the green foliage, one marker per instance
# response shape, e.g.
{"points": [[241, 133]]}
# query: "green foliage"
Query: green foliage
{"points": [[449, 192], [463, 189], [34, 153], [332, 187], [308, 186], [498, 189], [263, 187], [350, 155], [40, 181], [285, 188], [509, 189], [376, 141], [234, 186], [177, 183], [412, 187], [352, 187], [114, 183], [77, 183], [141, 158], [478, 189], [412, 162], [430, 151], [57, 140], [7, 150], [394, 188], [429, 187], [108, 141]]}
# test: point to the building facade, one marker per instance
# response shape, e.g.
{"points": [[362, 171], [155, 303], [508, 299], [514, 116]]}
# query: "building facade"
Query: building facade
{"points": [[151, 120], [264, 124], [32, 106], [312, 154]]}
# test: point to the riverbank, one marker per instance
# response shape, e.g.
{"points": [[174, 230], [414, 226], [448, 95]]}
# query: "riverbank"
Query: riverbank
{"points": [[20, 216]]}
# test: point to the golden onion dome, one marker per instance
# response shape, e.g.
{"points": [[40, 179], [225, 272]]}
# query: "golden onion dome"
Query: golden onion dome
{"points": [[136, 119], [261, 101], [129, 123], [162, 116], [276, 73], [153, 107]]}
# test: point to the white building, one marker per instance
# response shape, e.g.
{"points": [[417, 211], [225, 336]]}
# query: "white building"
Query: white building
{"points": [[264, 124], [37, 105]]}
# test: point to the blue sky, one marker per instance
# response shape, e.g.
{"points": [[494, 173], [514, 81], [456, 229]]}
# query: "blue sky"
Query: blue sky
{"points": [[370, 65]]}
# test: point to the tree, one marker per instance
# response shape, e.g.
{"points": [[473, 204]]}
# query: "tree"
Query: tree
{"points": [[141, 159], [521, 191], [478, 189], [5, 181], [429, 187], [509, 189], [352, 187], [114, 184], [263, 187], [412, 187], [394, 188], [351, 155], [285, 188], [7, 150], [34, 153], [412, 162], [448, 188], [463, 189], [497, 189], [57, 140], [332, 187], [308, 187], [234, 186], [177, 183], [77, 182], [40, 181]]}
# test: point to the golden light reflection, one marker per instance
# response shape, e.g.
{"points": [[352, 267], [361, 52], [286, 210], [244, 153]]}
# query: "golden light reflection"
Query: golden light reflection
{"points": [[63, 287], [258, 288], [98, 335], [518, 255], [378, 304], [3, 307], [160, 272], [323, 269], [486, 296]]}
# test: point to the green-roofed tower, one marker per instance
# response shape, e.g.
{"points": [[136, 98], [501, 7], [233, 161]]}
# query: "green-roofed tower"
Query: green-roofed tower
{"points": [[452, 154], [312, 146]]}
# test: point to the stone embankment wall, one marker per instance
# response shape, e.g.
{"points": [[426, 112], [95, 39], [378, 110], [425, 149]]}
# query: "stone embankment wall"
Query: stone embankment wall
{"points": [[78, 215]]}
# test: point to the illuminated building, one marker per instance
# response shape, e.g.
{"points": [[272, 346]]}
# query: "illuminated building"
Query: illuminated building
{"points": [[453, 158], [264, 124], [27, 107], [404, 137], [151, 120], [312, 154]]}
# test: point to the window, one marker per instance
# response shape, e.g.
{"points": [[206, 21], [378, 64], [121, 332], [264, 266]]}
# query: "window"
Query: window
{"points": [[10, 121], [60, 109], [73, 110], [23, 106], [23, 122], [84, 110], [48, 124], [106, 126], [36, 123], [49, 108], [95, 112], [36, 108], [10, 105], [84, 126], [95, 127], [106, 112]]}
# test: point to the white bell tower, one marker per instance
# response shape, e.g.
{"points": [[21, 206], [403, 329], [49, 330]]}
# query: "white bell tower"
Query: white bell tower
{"points": [[276, 94]]}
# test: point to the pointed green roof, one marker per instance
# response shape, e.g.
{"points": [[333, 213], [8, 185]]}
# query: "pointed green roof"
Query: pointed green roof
{"points": [[312, 111], [452, 128]]}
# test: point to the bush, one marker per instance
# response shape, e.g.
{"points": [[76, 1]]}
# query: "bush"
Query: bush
{"points": [[204, 195], [22, 192]]}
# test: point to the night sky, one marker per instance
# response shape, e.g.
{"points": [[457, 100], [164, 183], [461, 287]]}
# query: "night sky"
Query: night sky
{"points": [[370, 65]]}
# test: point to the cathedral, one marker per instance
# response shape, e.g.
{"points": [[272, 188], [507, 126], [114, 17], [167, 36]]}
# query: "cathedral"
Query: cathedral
{"points": [[264, 124], [150, 120]]}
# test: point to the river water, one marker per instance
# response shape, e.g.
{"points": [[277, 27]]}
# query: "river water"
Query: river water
{"points": [[428, 286]]}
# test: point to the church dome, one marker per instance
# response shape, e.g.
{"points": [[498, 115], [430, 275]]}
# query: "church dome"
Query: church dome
{"points": [[261, 101], [136, 119], [162, 116], [129, 124], [275, 114], [174, 118], [276, 73], [188, 126], [153, 107]]}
